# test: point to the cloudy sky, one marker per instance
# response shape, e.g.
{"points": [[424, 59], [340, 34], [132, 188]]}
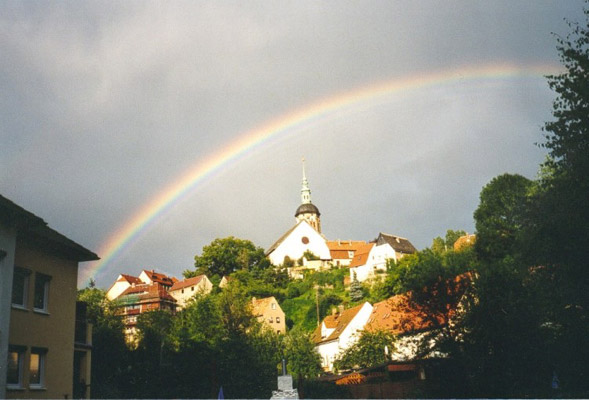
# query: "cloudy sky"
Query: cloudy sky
{"points": [[104, 105]]}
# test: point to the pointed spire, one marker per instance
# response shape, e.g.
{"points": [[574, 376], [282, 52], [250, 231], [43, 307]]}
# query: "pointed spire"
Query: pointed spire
{"points": [[305, 191]]}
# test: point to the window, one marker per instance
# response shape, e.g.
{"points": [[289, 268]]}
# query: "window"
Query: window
{"points": [[20, 287], [192, 288], [37, 368], [274, 306], [41, 295], [277, 320], [270, 320], [15, 366]]}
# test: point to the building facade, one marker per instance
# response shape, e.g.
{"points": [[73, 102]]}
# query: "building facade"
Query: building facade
{"points": [[39, 273]]}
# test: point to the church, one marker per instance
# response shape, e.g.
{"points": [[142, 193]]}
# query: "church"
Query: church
{"points": [[304, 247], [303, 243]]}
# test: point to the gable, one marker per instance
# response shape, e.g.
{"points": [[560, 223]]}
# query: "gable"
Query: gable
{"points": [[296, 241]]}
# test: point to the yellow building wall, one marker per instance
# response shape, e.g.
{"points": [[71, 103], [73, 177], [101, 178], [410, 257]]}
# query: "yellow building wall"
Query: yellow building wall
{"points": [[53, 331]]}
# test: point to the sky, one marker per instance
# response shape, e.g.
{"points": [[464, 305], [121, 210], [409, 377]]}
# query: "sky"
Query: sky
{"points": [[403, 111]]}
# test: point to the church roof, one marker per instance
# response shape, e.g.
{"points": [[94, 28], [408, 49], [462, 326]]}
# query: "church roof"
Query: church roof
{"points": [[307, 208], [281, 239]]}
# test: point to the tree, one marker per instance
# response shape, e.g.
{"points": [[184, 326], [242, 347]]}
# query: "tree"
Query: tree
{"points": [[371, 349], [356, 293], [500, 215], [559, 214], [302, 360], [110, 355], [440, 245], [224, 256]]}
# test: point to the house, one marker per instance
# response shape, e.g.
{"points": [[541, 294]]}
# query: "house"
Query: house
{"points": [[40, 354], [339, 331], [360, 265], [184, 290], [464, 242], [136, 295], [124, 281], [342, 251], [269, 312], [410, 321], [372, 260], [400, 245], [140, 299]]}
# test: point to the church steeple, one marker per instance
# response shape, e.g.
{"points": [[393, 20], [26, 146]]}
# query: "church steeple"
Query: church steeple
{"points": [[308, 211], [305, 191]]}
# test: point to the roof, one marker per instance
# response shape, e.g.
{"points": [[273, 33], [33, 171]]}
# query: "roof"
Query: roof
{"points": [[340, 249], [129, 278], [146, 292], [398, 243], [283, 237], [361, 256], [400, 316], [339, 321], [187, 282], [159, 278], [345, 244], [307, 208], [464, 241], [33, 228], [259, 305]]}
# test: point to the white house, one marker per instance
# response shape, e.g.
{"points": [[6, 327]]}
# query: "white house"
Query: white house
{"points": [[372, 259], [122, 283], [146, 277], [339, 331], [184, 290]]}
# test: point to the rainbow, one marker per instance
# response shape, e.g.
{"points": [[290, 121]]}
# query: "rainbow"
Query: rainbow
{"points": [[129, 232]]}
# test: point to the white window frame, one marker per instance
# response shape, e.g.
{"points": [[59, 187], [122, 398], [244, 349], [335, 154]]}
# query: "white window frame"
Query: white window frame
{"points": [[42, 353], [20, 351]]}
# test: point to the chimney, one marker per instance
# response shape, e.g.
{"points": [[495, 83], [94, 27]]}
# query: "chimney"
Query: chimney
{"points": [[333, 311], [340, 308]]}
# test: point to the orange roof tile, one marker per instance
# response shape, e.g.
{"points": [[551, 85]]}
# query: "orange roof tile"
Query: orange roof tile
{"points": [[187, 282], [340, 321], [129, 278], [400, 316], [145, 292], [259, 305], [464, 241], [159, 278], [346, 245], [361, 256]]}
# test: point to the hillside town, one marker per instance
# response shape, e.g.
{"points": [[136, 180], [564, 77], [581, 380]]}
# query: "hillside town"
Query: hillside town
{"points": [[501, 312]]}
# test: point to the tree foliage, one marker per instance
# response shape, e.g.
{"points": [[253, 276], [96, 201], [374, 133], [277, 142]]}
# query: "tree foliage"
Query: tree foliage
{"points": [[225, 256], [371, 349]]}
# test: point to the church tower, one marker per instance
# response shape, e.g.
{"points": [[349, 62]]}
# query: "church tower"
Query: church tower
{"points": [[308, 211]]}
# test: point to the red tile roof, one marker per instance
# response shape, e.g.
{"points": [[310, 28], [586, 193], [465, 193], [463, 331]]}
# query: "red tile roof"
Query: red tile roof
{"points": [[159, 278], [400, 316], [129, 278], [187, 282], [339, 321], [259, 305], [144, 293], [464, 241], [361, 256]]}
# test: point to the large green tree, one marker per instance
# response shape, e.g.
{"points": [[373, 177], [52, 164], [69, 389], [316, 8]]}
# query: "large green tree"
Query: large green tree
{"points": [[225, 256], [558, 227], [371, 349], [110, 355]]}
